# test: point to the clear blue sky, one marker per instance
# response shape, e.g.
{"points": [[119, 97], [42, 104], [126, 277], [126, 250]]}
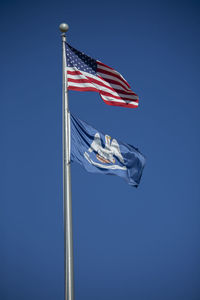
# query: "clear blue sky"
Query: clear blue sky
{"points": [[129, 244]]}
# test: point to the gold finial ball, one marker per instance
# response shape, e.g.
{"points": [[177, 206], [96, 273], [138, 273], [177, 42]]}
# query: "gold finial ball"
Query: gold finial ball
{"points": [[64, 27]]}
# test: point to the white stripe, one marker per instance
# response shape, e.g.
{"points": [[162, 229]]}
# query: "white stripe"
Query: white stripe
{"points": [[79, 84], [118, 100]]}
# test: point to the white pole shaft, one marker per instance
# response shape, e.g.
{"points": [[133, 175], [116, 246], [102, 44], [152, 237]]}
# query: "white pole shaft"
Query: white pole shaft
{"points": [[67, 198]]}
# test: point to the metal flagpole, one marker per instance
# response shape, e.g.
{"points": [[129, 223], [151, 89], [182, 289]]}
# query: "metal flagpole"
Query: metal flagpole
{"points": [[67, 198]]}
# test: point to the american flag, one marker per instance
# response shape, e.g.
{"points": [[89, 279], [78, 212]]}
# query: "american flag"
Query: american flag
{"points": [[87, 74]]}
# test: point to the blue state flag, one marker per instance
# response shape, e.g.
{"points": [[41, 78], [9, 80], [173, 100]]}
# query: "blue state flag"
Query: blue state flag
{"points": [[100, 153]]}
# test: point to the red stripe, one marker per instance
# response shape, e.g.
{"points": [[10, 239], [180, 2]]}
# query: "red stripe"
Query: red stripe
{"points": [[117, 97], [100, 63], [120, 104], [74, 72], [82, 89], [79, 80]]}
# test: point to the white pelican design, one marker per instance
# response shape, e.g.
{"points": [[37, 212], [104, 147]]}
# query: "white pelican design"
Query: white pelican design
{"points": [[105, 154]]}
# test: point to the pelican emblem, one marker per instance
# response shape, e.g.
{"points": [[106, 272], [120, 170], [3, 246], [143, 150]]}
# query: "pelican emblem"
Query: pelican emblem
{"points": [[105, 154]]}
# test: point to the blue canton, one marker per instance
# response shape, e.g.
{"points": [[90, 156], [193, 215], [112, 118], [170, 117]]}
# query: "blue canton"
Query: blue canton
{"points": [[80, 60]]}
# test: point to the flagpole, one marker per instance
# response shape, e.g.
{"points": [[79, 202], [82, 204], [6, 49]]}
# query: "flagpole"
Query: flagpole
{"points": [[67, 198]]}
